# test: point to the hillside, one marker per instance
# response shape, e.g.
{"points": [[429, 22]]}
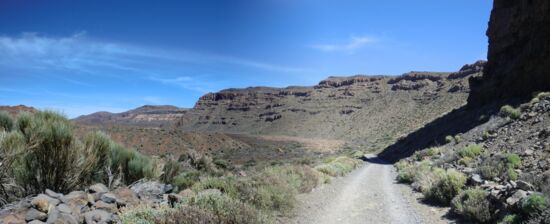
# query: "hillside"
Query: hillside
{"points": [[141, 116], [338, 108], [14, 110]]}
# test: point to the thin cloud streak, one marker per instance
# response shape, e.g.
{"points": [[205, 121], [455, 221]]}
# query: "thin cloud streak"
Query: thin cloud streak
{"points": [[353, 44], [81, 54]]}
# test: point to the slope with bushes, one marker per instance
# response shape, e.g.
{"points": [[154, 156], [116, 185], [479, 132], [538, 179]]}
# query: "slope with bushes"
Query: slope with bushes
{"points": [[501, 167]]}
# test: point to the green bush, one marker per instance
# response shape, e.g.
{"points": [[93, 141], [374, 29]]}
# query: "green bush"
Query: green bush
{"points": [[501, 166], [449, 139], [513, 160], [511, 219], [229, 209], [509, 111], [170, 170], [471, 151], [6, 122], [409, 173], [97, 147], [533, 204], [140, 166], [458, 139], [185, 180], [474, 205], [120, 157], [227, 185], [426, 153], [444, 186], [42, 152], [301, 178], [338, 167], [51, 155], [181, 214]]}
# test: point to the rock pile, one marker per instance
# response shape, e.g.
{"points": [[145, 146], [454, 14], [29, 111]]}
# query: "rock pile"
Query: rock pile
{"points": [[97, 204]]}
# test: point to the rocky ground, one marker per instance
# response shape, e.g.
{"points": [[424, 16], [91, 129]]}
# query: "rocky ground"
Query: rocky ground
{"points": [[523, 134], [96, 204]]}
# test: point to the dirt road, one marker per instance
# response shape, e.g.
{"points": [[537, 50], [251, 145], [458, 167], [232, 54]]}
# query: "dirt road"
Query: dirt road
{"points": [[367, 195]]}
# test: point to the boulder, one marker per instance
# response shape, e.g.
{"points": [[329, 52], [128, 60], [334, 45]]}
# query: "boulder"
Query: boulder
{"points": [[126, 197], [108, 198], [98, 188], [34, 214], [53, 215], [149, 190], [476, 179], [98, 216], [525, 186], [516, 197], [53, 194], [12, 219], [110, 207], [66, 219], [35, 222], [64, 208], [43, 202]]}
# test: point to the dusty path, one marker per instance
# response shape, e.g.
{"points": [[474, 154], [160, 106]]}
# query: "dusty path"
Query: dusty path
{"points": [[367, 195]]}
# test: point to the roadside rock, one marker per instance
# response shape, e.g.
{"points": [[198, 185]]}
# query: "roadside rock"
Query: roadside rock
{"points": [[98, 216], [34, 214], [43, 202], [516, 197], [524, 185]]}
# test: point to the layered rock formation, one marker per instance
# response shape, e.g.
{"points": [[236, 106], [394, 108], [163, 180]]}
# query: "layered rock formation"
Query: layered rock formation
{"points": [[338, 108], [519, 52], [343, 108], [142, 116]]}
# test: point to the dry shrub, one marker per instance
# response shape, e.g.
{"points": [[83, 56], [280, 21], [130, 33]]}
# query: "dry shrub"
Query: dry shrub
{"points": [[473, 205]]}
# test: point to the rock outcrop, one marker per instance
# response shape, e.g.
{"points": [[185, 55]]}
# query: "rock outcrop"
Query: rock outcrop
{"points": [[519, 52]]}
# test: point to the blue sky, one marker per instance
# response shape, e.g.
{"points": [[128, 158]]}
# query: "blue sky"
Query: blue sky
{"points": [[79, 57]]}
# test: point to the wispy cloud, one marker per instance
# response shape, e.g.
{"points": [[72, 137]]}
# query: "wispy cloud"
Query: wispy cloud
{"points": [[350, 46], [184, 82], [81, 54]]}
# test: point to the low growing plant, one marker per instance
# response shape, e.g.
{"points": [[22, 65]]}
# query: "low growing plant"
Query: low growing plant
{"points": [[471, 151], [473, 204], [510, 112]]}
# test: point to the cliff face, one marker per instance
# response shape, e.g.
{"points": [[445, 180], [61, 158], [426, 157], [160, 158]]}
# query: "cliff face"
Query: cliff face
{"points": [[519, 52], [339, 108]]}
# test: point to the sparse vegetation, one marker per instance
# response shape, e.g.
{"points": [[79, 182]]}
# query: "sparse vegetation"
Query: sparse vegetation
{"points": [[511, 219], [41, 152], [510, 112], [471, 151], [409, 173], [501, 166], [449, 139], [338, 166], [534, 203], [240, 199], [443, 185], [474, 205]]}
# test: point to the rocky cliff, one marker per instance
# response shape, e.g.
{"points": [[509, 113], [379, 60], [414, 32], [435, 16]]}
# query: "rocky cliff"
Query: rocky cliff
{"points": [[371, 111], [343, 108], [519, 52]]}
